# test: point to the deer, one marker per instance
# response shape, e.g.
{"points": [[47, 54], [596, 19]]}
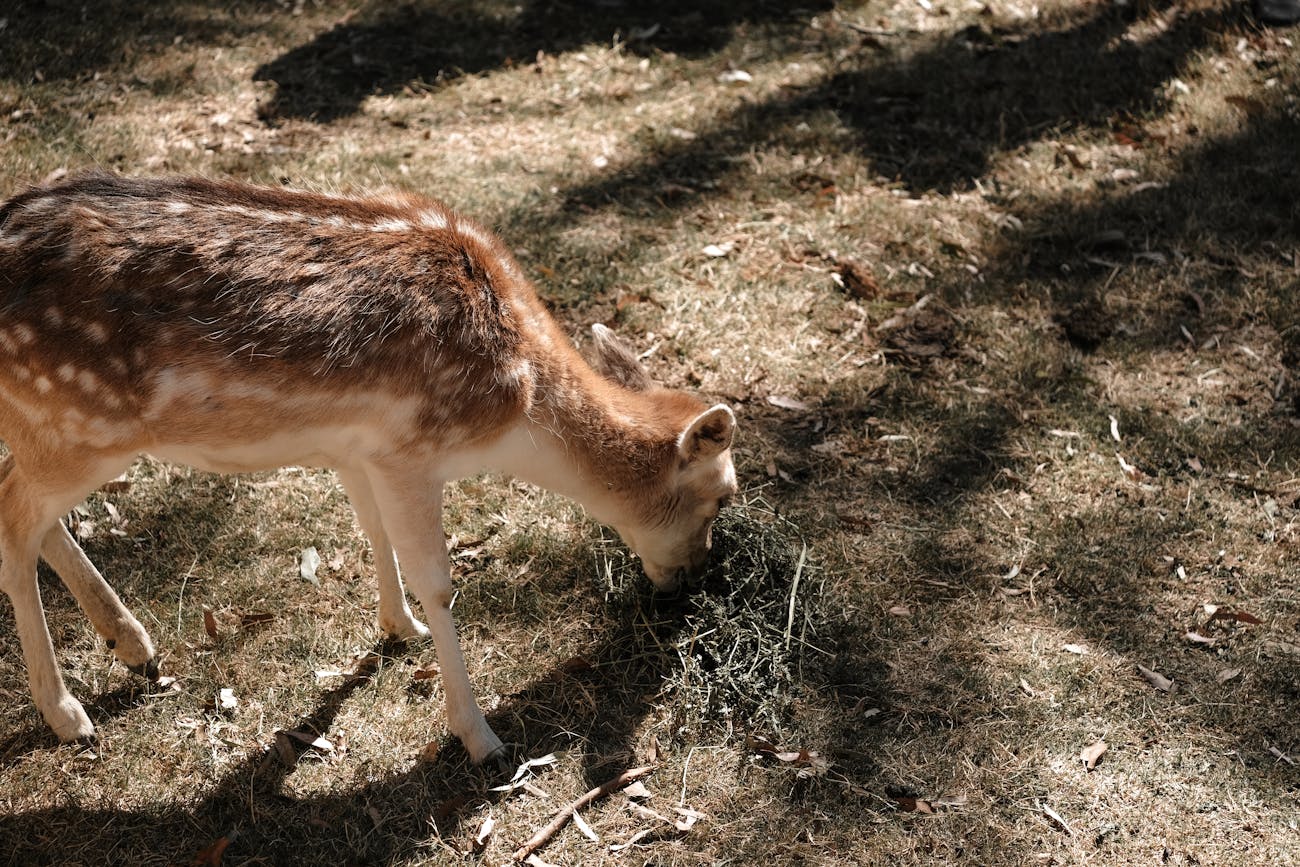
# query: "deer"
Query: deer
{"points": [[236, 328]]}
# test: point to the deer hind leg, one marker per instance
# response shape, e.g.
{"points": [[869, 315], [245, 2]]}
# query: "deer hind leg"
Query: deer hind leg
{"points": [[116, 625], [395, 617], [27, 512], [410, 505]]}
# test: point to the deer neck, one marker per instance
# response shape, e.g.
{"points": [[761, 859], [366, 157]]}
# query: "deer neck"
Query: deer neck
{"points": [[589, 440]]}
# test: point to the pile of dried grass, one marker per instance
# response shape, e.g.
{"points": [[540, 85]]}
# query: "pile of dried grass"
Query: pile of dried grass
{"points": [[732, 645]]}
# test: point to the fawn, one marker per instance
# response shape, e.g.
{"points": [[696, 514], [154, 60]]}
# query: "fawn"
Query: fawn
{"points": [[237, 328]]}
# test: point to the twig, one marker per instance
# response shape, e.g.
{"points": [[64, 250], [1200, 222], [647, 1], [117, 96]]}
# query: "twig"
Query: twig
{"points": [[540, 839]]}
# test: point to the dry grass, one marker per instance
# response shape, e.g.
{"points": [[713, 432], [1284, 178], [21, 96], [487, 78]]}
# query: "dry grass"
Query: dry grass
{"points": [[1100, 202]]}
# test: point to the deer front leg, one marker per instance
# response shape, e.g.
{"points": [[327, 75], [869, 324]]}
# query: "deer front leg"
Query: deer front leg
{"points": [[116, 625], [395, 617], [411, 509]]}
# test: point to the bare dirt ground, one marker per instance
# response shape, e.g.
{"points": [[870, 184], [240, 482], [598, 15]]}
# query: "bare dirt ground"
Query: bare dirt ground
{"points": [[1005, 295]]}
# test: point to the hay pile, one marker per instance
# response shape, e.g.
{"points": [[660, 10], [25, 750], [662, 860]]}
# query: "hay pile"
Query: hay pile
{"points": [[731, 647]]}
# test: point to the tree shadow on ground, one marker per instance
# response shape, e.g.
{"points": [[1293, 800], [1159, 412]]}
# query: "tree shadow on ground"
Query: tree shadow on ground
{"points": [[383, 48], [626, 664]]}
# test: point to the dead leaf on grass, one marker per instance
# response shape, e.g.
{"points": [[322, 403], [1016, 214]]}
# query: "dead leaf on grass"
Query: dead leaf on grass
{"points": [[787, 402], [1227, 674], [226, 699], [1156, 679], [1056, 817], [1092, 754], [632, 841], [210, 623], [910, 804], [484, 834], [900, 611], [1218, 613], [1280, 756], [211, 856], [255, 618], [948, 802], [638, 792], [1198, 638], [582, 826], [429, 672], [308, 563], [686, 818], [314, 741], [857, 279], [1077, 649]]}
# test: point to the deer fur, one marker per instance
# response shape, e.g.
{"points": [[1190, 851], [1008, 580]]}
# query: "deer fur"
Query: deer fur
{"points": [[236, 328]]}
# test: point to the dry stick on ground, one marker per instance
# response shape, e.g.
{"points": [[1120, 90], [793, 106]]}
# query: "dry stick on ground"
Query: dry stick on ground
{"points": [[539, 839]]}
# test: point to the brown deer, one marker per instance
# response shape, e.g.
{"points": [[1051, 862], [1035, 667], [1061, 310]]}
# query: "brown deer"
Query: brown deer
{"points": [[237, 328]]}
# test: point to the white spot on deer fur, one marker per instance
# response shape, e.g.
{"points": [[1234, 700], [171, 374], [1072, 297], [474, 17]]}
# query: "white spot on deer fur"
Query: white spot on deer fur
{"points": [[431, 219], [88, 381], [95, 331], [67, 372], [22, 373], [177, 207], [6, 342], [118, 365], [24, 334], [43, 385], [473, 232], [54, 316]]}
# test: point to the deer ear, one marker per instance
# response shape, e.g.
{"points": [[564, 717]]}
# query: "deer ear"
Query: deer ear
{"points": [[615, 360], [708, 435]]}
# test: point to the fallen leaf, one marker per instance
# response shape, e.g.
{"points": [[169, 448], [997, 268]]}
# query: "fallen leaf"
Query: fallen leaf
{"points": [[1227, 674], [909, 804], [718, 251], [211, 856], [429, 751], [1156, 679], [210, 623], [1092, 754], [582, 826], [535, 860], [1198, 638], [787, 402], [632, 841], [688, 818], [484, 834], [521, 772], [858, 280], [1114, 429], [735, 76], [1056, 817], [255, 618], [1077, 649], [1218, 613], [429, 672], [1281, 756], [308, 563], [1129, 470], [900, 611], [226, 699], [638, 792], [312, 740]]}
